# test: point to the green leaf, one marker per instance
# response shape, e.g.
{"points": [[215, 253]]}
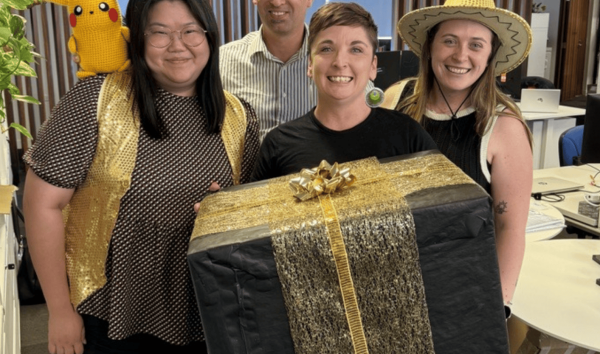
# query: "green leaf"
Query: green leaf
{"points": [[2, 114], [5, 15], [16, 46], [10, 66], [18, 4], [25, 70], [4, 35], [21, 129], [5, 83], [17, 26], [13, 90], [25, 50], [25, 98]]}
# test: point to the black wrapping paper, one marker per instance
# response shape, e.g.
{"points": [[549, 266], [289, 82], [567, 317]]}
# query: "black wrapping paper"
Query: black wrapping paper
{"points": [[242, 307]]}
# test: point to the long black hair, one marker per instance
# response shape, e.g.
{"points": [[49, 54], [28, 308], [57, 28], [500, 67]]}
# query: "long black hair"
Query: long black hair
{"points": [[208, 86]]}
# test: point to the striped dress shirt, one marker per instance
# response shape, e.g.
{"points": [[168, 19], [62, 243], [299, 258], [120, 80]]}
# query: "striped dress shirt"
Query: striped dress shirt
{"points": [[279, 92]]}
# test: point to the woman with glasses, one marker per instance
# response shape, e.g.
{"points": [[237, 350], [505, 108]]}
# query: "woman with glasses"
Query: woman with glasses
{"points": [[124, 157]]}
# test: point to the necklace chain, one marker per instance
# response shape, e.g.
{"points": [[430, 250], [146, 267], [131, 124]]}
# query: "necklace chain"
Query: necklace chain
{"points": [[448, 104]]}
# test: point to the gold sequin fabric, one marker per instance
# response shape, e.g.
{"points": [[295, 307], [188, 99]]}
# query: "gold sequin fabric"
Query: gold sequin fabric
{"points": [[380, 241], [233, 132], [93, 209], [148, 289]]}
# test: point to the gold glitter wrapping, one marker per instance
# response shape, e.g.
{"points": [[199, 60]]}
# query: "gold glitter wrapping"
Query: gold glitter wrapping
{"points": [[233, 134], [380, 241], [430, 171], [381, 244], [92, 212]]}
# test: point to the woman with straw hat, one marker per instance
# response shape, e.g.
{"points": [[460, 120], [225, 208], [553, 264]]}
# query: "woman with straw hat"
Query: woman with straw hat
{"points": [[464, 45]]}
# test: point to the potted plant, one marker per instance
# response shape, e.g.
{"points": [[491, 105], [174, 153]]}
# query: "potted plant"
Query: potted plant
{"points": [[16, 55]]}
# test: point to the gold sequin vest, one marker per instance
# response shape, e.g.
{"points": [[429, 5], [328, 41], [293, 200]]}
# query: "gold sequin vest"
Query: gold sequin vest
{"points": [[92, 212]]}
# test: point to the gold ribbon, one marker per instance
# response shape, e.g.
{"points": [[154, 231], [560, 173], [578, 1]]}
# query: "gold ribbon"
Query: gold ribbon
{"points": [[325, 178], [338, 248]]}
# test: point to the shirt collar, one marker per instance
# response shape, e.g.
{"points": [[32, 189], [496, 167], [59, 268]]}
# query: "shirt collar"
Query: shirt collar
{"points": [[258, 45]]}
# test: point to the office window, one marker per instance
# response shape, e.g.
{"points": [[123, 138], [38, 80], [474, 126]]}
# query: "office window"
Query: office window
{"points": [[381, 10]]}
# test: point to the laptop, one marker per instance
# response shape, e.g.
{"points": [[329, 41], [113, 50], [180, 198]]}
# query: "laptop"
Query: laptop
{"points": [[548, 185], [540, 100]]}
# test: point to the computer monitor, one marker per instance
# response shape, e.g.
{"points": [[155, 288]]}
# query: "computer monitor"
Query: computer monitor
{"points": [[590, 148], [388, 69], [512, 83], [394, 66]]}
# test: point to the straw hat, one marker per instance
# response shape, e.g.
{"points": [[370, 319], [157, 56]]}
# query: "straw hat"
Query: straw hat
{"points": [[512, 30]]}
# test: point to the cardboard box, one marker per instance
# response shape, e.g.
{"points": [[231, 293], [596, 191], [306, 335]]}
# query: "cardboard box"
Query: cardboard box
{"points": [[252, 302]]}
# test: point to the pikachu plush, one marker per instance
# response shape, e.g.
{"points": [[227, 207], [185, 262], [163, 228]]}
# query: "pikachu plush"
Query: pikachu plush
{"points": [[99, 39]]}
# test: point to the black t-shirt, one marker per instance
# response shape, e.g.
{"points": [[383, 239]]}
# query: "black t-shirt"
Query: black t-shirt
{"points": [[305, 142]]}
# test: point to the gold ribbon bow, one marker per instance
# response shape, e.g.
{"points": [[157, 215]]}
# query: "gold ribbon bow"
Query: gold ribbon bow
{"points": [[322, 179]]}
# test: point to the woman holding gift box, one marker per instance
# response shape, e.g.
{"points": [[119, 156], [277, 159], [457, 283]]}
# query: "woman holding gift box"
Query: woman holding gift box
{"points": [[342, 127], [463, 46], [125, 156]]}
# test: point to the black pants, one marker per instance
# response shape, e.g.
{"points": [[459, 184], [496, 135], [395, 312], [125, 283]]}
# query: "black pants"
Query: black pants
{"points": [[96, 336]]}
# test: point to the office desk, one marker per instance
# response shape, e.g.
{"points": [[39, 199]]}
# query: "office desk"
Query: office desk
{"points": [[557, 292], [544, 234], [546, 129], [580, 174]]}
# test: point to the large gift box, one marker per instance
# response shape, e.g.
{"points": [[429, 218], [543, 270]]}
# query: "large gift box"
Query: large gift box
{"points": [[402, 261]]}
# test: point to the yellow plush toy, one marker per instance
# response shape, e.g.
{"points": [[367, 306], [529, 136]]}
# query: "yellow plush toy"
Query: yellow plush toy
{"points": [[99, 39]]}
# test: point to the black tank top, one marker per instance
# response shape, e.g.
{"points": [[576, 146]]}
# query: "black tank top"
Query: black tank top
{"points": [[458, 141], [461, 147]]}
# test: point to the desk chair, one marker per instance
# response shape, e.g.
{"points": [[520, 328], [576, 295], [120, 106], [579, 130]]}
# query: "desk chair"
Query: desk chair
{"points": [[536, 82], [569, 146]]}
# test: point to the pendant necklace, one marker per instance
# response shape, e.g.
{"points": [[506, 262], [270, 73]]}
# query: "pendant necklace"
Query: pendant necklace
{"points": [[454, 131]]}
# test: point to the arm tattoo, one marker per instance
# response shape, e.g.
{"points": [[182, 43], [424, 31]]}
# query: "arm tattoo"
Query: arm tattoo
{"points": [[501, 207]]}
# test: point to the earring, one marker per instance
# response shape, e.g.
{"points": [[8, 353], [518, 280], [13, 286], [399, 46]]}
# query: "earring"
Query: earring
{"points": [[374, 97]]}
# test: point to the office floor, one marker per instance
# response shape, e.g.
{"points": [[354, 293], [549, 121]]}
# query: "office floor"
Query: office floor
{"points": [[34, 329]]}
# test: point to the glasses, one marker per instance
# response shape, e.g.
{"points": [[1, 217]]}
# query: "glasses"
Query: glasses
{"points": [[161, 37]]}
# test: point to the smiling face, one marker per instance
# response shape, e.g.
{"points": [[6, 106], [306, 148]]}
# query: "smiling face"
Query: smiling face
{"points": [[177, 66], [282, 17], [341, 64], [460, 52]]}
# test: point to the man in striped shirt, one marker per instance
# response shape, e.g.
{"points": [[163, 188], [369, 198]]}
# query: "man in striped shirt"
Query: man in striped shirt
{"points": [[268, 67]]}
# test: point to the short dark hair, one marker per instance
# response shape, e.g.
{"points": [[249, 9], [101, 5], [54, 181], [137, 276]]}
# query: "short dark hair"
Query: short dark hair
{"points": [[208, 86], [342, 14]]}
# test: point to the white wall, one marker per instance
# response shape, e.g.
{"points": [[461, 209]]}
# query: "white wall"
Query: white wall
{"points": [[592, 51], [553, 8]]}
